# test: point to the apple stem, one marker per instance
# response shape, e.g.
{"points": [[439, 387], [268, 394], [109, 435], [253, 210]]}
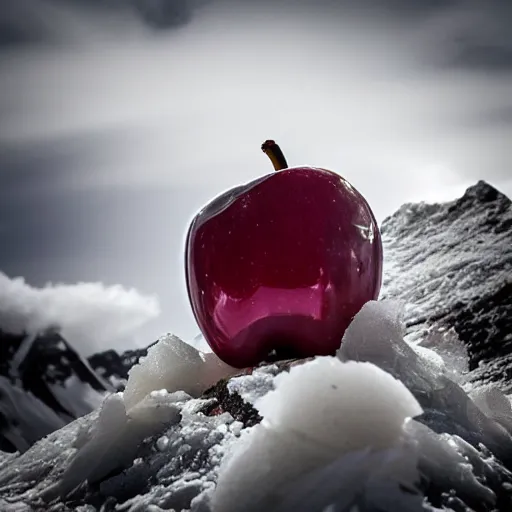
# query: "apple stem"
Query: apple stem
{"points": [[273, 151]]}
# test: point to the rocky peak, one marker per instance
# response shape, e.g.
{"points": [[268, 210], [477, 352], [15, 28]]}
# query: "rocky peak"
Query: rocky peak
{"points": [[452, 264], [482, 200]]}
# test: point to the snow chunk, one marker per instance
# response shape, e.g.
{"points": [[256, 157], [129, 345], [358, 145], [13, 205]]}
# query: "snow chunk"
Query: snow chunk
{"points": [[162, 443], [318, 412], [376, 335], [346, 402], [448, 347], [439, 458], [359, 481], [174, 365], [170, 364]]}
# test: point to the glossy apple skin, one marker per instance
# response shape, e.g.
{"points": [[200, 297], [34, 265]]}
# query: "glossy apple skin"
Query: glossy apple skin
{"points": [[282, 265]]}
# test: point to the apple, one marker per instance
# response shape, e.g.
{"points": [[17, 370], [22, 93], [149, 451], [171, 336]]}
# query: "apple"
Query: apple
{"points": [[277, 268]]}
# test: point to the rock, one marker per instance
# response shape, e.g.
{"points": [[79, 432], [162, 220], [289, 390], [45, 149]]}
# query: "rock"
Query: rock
{"points": [[221, 400]]}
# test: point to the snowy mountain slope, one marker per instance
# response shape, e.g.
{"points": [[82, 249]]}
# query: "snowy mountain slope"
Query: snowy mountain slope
{"points": [[44, 384], [452, 265]]}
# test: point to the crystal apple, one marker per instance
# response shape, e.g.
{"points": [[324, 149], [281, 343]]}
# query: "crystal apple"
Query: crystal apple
{"points": [[277, 268]]}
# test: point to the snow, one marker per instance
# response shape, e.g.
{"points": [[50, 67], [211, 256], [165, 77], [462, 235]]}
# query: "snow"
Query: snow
{"points": [[442, 459], [451, 353], [369, 427], [377, 335], [351, 405], [356, 421], [156, 390], [437, 255], [90, 315], [174, 365], [114, 440], [21, 353], [254, 386], [318, 412]]}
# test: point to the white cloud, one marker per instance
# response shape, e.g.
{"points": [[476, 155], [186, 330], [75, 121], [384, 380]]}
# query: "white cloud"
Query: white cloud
{"points": [[92, 316]]}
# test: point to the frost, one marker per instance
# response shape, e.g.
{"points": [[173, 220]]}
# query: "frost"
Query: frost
{"points": [[254, 386]]}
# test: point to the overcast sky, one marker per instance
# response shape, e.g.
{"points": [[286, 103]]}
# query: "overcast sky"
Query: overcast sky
{"points": [[112, 135]]}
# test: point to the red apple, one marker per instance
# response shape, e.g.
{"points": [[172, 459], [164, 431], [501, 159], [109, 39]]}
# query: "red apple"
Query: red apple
{"points": [[279, 267]]}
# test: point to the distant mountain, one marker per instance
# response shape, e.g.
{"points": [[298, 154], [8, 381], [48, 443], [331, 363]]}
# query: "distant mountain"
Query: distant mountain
{"points": [[44, 384]]}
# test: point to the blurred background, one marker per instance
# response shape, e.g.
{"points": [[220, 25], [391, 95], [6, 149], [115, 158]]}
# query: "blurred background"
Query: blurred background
{"points": [[119, 119]]}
